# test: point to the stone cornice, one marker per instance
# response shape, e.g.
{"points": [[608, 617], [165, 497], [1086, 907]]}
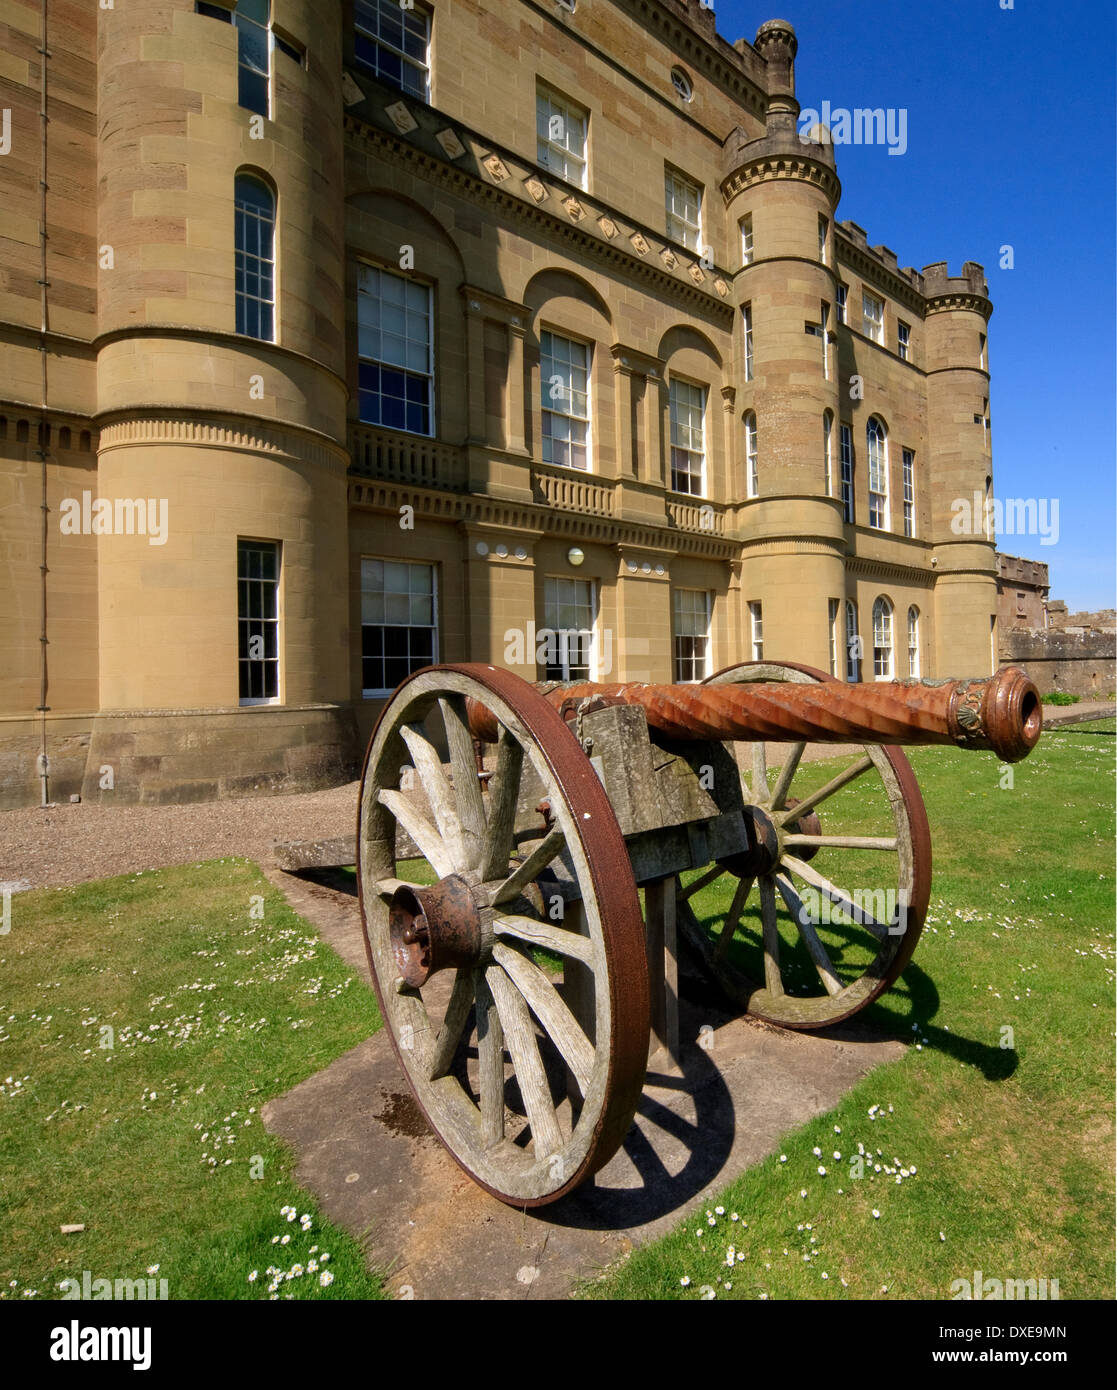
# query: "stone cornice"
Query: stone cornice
{"points": [[476, 510], [763, 168], [975, 303], [585, 222], [121, 429], [912, 575]]}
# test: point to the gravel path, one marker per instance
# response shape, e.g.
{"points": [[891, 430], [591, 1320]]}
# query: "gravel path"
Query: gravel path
{"points": [[52, 846], [73, 844]]}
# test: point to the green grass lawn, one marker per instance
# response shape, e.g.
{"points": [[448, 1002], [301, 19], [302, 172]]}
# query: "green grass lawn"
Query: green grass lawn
{"points": [[219, 997], [144, 1021], [1004, 1153]]}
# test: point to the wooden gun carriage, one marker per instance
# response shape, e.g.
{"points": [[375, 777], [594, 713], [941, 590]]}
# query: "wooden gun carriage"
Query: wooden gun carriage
{"points": [[519, 976]]}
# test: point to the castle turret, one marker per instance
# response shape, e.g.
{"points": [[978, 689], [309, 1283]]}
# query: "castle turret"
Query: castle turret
{"points": [[957, 365], [221, 398], [781, 193]]}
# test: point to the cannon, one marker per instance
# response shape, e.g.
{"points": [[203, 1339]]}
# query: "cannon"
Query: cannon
{"points": [[531, 856]]}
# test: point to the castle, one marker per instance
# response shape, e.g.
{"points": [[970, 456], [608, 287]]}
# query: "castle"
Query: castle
{"points": [[347, 337]]}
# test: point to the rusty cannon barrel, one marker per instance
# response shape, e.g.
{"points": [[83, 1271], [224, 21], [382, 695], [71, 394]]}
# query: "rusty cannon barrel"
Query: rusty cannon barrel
{"points": [[1001, 713]]}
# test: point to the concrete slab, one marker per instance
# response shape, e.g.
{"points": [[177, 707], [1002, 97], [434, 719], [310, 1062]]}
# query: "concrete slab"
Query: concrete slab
{"points": [[364, 1149]]}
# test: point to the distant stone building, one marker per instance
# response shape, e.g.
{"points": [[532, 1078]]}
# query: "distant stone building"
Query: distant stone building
{"points": [[1072, 652], [1022, 589], [341, 338]]}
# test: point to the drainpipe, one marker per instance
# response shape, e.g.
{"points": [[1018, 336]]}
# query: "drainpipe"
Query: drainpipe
{"points": [[44, 426]]}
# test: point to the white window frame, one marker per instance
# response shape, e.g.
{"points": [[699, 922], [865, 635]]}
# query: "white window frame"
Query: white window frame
{"points": [[853, 643], [554, 154], [903, 340], [748, 243], [843, 297], [823, 238], [577, 412], [756, 630], [752, 457], [846, 454], [877, 473], [697, 660], [379, 692], [750, 362], [883, 639], [678, 190], [872, 316], [415, 12], [908, 466], [913, 642], [270, 617], [562, 641], [373, 274], [686, 451], [828, 451], [833, 610]]}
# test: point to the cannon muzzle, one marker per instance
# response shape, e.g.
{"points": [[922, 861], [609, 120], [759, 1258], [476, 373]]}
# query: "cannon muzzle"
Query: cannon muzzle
{"points": [[1001, 713]]}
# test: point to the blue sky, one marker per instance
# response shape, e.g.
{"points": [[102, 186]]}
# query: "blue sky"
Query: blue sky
{"points": [[1010, 140]]}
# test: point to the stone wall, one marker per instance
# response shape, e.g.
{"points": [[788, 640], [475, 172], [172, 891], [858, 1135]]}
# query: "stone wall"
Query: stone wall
{"points": [[1079, 663]]}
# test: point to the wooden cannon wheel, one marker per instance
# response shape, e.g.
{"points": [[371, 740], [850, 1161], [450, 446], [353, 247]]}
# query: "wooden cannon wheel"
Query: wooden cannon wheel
{"points": [[530, 1085], [789, 832]]}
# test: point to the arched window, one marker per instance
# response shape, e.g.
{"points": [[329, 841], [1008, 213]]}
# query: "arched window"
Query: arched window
{"points": [[752, 471], [828, 451], [877, 441], [255, 258], [853, 643], [989, 509], [913, 641], [882, 639]]}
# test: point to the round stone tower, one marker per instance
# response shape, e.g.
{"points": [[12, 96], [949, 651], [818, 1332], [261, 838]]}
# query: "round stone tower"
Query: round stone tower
{"points": [[956, 326], [781, 191], [221, 398]]}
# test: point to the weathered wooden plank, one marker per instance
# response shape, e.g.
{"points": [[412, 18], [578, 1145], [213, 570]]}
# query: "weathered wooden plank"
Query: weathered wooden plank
{"points": [[549, 936], [490, 1057], [815, 949], [420, 829], [335, 853], [504, 790], [531, 867], [467, 787], [449, 1035], [440, 795], [523, 1046], [544, 1001], [815, 798]]}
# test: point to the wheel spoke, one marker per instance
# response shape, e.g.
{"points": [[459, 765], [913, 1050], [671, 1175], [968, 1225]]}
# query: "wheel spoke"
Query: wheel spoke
{"points": [[504, 792], [559, 1023], [761, 794], [844, 841], [457, 1011], [707, 877], [836, 895], [773, 979], [729, 928], [531, 867], [835, 784], [528, 1065], [467, 787], [440, 797], [490, 1057], [787, 772], [549, 937], [815, 949], [430, 842]]}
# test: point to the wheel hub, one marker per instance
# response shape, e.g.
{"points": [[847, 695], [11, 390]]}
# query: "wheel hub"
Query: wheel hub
{"points": [[434, 928]]}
